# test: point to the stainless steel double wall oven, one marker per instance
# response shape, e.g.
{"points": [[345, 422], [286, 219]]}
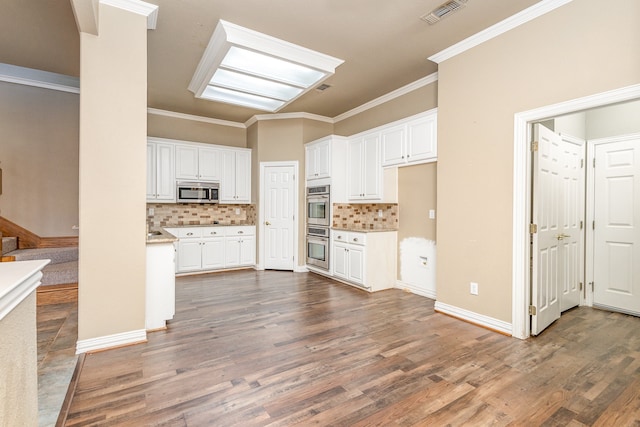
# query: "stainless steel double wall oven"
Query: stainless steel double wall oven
{"points": [[318, 226]]}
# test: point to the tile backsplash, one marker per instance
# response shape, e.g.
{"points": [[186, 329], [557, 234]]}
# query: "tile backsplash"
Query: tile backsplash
{"points": [[177, 214], [365, 216]]}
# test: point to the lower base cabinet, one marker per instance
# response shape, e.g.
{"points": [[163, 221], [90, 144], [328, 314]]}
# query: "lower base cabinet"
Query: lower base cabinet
{"points": [[367, 260], [214, 248]]}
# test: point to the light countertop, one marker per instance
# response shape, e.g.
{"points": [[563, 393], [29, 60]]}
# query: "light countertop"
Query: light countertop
{"points": [[362, 230], [17, 280], [163, 237]]}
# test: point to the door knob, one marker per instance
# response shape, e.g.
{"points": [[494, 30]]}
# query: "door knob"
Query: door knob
{"points": [[267, 223], [562, 236]]}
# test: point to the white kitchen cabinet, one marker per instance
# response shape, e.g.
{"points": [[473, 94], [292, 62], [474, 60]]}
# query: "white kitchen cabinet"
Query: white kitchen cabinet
{"points": [[235, 183], [410, 142], [160, 285], [198, 163], [365, 259], [213, 248], [364, 171], [161, 185], [240, 246], [318, 159]]}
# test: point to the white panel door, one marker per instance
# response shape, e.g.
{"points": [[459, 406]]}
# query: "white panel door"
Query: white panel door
{"points": [[355, 163], [422, 138], [547, 214], [279, 211], [243, 176], [340, 260], [186, 162], [151, 171], [572, 243], [189, 255], [393, 145], [356, 264], [213, 253], [617, 226]]}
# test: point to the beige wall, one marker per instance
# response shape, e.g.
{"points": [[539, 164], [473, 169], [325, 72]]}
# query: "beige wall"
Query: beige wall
{"points": [[39, 159], [19, 360], [571, 52], [192, 130], [417, 101], [612, 120], [113, 133]]}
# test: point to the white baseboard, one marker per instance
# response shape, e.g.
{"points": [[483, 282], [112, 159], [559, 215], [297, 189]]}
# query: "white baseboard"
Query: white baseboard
{"points": [[111, 341], [416, 289], [259, 267], [475, 318], [300, 269]]}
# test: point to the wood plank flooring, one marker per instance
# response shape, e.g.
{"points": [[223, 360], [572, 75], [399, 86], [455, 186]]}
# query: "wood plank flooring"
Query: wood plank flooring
{"points": [[272, 348]]}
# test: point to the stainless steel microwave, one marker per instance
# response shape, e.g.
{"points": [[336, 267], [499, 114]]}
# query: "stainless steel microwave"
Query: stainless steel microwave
{"points": [[197, 192]]}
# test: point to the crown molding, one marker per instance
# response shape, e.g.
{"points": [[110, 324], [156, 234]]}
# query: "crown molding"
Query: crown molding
{"points": [[431, 78], [287, 116], [176, 115], [520, 18], [37, 78], [136, 6]]}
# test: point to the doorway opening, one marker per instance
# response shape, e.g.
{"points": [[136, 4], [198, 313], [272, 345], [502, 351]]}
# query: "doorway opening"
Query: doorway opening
{"points": [[522, 273]]}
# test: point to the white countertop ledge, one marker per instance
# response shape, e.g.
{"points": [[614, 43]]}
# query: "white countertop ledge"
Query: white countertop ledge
{"points": [[17, 280]]}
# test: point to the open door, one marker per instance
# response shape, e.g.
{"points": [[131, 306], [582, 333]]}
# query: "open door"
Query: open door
{"points": [[547, 211], [616, 278]]}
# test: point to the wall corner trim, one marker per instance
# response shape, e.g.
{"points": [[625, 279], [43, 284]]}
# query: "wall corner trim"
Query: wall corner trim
{"points": [[514, 21], [431, 78], [475, 318], [37, 78], [287, 116], [300, 269], [136, 6], [111, 341]]}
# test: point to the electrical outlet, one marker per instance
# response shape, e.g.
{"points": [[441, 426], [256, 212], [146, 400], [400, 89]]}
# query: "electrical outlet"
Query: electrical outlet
{"points": [[237, 211], [473, 288], [379, 213], [432, 214], [151, 211]]}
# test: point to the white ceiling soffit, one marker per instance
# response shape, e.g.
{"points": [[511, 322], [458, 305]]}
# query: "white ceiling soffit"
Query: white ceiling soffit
{"points": [[501, 27], [136, 6], [248, 68]]}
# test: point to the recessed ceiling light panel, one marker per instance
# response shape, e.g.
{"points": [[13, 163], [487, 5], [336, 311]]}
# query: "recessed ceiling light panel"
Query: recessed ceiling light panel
{"points": [[244, 67]]}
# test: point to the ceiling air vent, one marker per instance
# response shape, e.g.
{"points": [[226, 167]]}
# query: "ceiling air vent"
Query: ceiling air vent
{"points": [[323, 87], [443, 10]]}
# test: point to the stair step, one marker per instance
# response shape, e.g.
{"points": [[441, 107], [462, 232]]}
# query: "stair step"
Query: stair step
{"points": [[56, 255], [56, 274], [9, 244]]}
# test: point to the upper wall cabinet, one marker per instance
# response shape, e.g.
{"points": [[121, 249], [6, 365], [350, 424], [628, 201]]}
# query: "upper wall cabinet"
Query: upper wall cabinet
{"points": [[161, 183], [411, 141], [198, 163], [235, 185], [318, 159], [364, 172]]}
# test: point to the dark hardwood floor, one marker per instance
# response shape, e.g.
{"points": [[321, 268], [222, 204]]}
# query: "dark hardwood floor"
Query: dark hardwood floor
{"points": [[270, 348]]}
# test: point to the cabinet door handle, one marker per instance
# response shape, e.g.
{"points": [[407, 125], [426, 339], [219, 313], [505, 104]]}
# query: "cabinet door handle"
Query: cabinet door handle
{"points": [[355, 239], [267, 223], [240, 232], [189, 234]]}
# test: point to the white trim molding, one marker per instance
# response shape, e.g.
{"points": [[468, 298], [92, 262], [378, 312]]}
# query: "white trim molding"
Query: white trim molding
{"points": [[300, 269], [520, 278], [37, 78], [431, 78], [475, 318], [139, 7], [428, 293], [514, 21], [111, 341], [183, 116], [287, 116]]}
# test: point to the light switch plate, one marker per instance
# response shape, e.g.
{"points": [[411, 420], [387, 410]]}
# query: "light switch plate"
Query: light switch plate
{"points": [[432, 214], [473, 288]]}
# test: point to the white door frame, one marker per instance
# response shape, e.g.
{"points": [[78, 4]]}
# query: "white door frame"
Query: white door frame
{"points": [[520, 278], [260, 228]]}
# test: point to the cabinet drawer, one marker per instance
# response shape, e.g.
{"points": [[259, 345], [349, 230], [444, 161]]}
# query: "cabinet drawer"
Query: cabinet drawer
{"points": [[189, 232], [357, 238], [212, 231], [240, 230], [340, 236]]}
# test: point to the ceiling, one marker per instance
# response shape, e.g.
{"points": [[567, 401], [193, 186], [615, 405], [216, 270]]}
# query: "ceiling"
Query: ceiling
{"points": [[384, 44]]}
